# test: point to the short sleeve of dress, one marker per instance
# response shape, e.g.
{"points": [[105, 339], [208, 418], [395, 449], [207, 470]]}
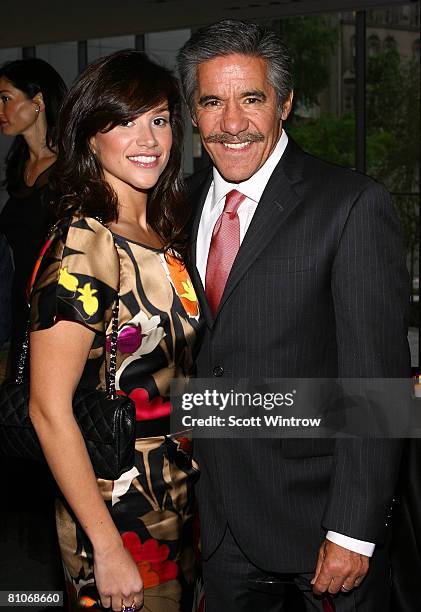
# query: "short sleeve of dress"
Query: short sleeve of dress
{"points": [[78, 278]]}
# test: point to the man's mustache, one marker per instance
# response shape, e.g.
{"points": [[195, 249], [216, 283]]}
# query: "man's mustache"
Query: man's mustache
{"points": [[227, 139]]}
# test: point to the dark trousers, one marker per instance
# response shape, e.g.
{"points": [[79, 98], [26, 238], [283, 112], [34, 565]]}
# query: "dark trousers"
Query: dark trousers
{"points": [[234, 584]]}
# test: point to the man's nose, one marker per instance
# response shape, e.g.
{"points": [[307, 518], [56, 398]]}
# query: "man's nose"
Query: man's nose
{"points": [[234, 119]]}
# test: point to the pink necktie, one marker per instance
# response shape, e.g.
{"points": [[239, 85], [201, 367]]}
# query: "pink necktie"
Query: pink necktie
{"points": [[223, 248]]}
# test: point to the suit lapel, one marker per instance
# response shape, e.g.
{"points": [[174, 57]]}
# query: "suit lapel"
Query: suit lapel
{"points": [[198, 197], [277, 202]]}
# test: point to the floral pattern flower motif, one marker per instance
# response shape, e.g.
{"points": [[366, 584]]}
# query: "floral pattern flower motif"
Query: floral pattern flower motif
{"points": [[149, 334], [69, 281], [86, 602], [88, 299], [87, 294], [151, 558], [180, 280], [146, 408], [129, 339]]}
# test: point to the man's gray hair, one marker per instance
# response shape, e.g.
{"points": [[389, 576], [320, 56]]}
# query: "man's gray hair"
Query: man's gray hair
{"points": [[234, 36]]}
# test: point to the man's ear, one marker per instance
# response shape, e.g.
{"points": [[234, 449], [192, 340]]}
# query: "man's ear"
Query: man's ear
{"points": [[193, 120], [287, 105]]}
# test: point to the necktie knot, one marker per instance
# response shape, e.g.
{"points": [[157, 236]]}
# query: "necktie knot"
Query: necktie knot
{"points": [[233, 200]]}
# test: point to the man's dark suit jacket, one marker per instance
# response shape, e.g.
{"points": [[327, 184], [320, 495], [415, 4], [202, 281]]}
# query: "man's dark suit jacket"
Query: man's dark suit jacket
{"points": [[319, 288]]}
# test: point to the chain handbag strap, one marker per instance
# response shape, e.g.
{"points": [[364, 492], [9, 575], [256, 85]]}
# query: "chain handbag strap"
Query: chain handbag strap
{"points": [[112, 394], [23, 357], [112, 370]]}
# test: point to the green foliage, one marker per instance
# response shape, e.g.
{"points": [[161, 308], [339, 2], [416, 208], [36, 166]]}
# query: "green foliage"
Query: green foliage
{"points": [[393, 125], [393, 109], [384, 88], [328, 137], [393, 119], [312, 40]]}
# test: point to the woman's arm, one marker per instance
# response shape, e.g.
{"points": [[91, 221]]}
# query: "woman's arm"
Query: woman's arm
{"points": [[58, 357]]}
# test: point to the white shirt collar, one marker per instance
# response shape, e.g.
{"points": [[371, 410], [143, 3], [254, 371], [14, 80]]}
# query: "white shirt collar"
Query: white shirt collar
{"points": [[253, 187]]}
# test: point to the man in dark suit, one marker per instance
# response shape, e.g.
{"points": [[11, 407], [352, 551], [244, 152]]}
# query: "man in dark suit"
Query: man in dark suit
{"points": [[300, 271]]}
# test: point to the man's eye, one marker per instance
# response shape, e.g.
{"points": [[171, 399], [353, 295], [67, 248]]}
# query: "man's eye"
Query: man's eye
{"points": [[251, 100], [212, 103], [5, 98], [127, 123]]}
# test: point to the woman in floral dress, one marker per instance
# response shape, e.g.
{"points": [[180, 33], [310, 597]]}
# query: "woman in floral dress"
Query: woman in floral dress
{"points": [[121, 233]]}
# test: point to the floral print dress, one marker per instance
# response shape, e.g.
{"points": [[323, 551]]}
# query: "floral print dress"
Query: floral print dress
{"points": [[82, 270]]}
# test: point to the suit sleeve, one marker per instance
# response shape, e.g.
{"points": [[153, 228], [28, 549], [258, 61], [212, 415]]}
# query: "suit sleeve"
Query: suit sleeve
{"points": [[371, 295]]}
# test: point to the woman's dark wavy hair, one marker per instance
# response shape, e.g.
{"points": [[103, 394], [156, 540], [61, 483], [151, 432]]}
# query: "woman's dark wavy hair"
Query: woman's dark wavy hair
{"points": [[111, 90], [32, 76]]}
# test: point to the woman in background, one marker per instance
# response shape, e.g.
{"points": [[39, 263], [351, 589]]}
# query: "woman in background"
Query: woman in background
{"points": [[120, 240], [31, 93]]}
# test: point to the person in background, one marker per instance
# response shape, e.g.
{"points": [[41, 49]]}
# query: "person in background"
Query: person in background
{"points": [[120, 239], [31, 93]]}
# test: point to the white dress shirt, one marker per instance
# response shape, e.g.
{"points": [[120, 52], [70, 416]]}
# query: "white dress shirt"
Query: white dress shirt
{"points": [[253, 189], [215, 201]]}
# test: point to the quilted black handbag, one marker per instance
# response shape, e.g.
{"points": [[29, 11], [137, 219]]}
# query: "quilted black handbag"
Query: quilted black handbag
{"points": [[107, 421]]}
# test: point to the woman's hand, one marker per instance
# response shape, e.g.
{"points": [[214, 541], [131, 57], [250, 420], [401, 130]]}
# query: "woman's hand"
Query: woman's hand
{"points": [[117, 578]]}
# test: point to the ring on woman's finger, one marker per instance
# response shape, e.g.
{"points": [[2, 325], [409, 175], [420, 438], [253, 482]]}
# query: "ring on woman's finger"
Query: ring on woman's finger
{"points": [[343, 588], [132, 608]]}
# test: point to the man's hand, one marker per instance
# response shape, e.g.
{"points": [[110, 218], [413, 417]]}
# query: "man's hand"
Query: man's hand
{"points": [[338, 569]]}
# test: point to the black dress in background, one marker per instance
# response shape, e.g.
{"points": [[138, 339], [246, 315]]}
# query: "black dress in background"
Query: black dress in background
{"points": [[24, 221], [29, 557]]}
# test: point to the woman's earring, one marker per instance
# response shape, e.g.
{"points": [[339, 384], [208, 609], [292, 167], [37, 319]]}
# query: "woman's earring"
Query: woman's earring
{"points": [[37, 109]]}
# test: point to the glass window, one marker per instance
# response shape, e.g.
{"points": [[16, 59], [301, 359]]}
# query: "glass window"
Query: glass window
{"points": [[396, 15], [323, 119], [98, 47], [393, 154], [415, 14], [353, 45], [377, 16], [8, 55], [406, 14], [373, 45], [389, 43], [62, 56]]}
